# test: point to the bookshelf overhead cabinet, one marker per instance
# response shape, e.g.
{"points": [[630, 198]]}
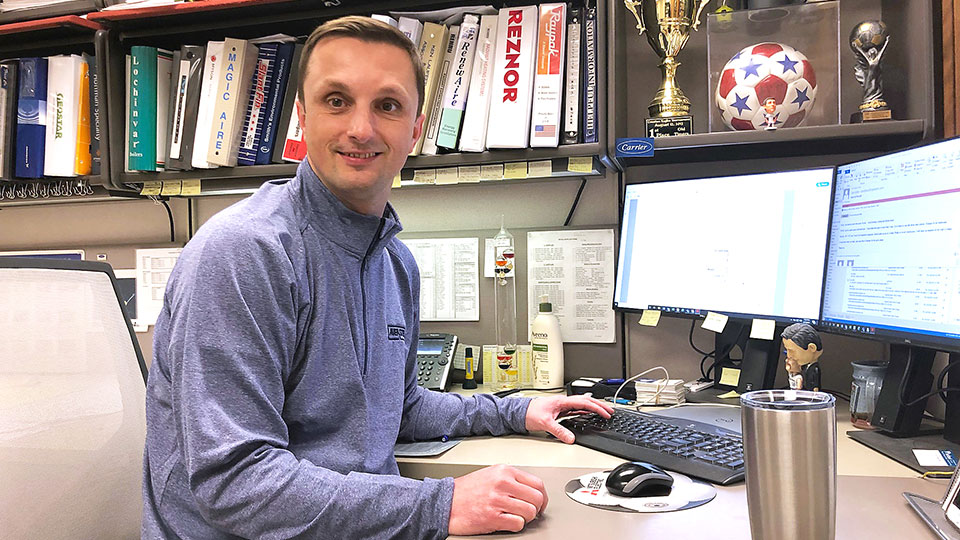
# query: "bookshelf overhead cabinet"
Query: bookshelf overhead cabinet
{"points": [[908, 68], [169, 28]]}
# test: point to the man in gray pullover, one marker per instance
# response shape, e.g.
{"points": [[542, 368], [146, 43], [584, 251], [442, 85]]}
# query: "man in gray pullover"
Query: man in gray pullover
{"points": [[285, 355]]}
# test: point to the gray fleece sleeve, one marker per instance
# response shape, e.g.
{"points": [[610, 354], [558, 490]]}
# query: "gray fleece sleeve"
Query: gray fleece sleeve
{"points": [[232, 338]]}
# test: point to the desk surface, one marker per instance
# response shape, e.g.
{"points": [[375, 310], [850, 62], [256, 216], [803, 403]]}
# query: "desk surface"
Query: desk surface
{"points": [[869, 488]]}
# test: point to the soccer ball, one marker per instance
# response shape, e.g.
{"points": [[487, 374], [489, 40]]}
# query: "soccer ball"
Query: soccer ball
{"points": [[763, 71]]}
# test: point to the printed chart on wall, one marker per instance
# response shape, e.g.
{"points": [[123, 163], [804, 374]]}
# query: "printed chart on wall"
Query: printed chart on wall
{"points": [[575, 270], [153, 270], [449, 278]]}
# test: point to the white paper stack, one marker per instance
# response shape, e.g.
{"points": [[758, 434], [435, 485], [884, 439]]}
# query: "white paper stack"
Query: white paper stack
{"points": [[660, 391]]}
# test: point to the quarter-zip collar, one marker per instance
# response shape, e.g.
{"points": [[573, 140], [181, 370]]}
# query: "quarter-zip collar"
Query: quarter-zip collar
{"points": [[357, 233]]}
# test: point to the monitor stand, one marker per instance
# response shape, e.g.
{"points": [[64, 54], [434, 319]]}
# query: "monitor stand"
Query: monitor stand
{"points": [[758, 360]]}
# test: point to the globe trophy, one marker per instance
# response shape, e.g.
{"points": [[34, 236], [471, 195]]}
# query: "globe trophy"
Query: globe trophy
{"points": [[668, 24], [869, 40]]}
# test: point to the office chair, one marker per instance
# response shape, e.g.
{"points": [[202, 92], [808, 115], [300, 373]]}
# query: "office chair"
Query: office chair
{"points": [[72, 400]]}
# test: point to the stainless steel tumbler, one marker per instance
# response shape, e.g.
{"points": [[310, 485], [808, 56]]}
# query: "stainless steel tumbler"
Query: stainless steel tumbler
{"points": [[790, 455]]}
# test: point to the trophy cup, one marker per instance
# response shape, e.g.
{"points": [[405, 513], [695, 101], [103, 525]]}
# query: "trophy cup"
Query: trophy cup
{"points": [[668, 24], [868, 40]]}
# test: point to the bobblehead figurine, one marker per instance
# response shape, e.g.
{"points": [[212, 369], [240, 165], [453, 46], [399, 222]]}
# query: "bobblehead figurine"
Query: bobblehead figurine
{"points": [[804, 348]]}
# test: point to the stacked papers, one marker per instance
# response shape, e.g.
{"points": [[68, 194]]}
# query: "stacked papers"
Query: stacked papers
{"points": [[660, 391]]}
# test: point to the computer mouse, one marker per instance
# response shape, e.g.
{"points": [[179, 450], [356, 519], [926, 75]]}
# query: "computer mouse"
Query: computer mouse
{"points": [[638, 479]]}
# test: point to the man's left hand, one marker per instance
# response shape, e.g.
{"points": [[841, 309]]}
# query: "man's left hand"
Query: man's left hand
{"points": [[543, 412]]}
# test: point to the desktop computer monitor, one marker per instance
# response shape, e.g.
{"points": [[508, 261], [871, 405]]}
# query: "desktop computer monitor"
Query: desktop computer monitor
{"points": [[893, 269], [749, 246]]}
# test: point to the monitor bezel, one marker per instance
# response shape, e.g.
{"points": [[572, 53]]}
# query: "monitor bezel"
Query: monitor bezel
{"points": [[914, 337], [693, 313]]}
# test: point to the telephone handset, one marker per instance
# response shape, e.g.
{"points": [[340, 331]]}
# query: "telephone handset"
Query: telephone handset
{"points": [[435, 353]]}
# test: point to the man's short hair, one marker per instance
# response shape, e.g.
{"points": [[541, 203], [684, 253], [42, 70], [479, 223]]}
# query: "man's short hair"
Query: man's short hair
{"points": [[365, 29], [803, 335]]}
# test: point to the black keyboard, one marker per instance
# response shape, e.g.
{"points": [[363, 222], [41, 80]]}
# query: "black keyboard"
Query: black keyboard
{"points": [[693, 448]]}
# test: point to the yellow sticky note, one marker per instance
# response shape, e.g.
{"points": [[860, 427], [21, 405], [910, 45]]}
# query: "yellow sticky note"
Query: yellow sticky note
{"points": [[729, 376], [540, 169], [491, 172], [714, 322], [469, 173], [171, 188], [515, 169], [190, 187], [763, 329], [425, 176], [447, 175], [650, 317], [729, 395], [151, 188], [580, 164], [396, 181]]}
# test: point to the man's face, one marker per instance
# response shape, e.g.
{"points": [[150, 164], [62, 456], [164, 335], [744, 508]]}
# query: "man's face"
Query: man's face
{"points": [[360, 119], [797, 356]]}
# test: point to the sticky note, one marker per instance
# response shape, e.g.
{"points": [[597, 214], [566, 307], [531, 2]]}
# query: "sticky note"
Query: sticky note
{"points": [[491, 172], [190, 187], [580, 164], [396, 181], [447, 175], [714, 322], [469, 173], [515, 169], [729, 376], [650, 317], [540, 169], [171, 188], [729, 395], [763, 329], [425, 176], [151, 188]]}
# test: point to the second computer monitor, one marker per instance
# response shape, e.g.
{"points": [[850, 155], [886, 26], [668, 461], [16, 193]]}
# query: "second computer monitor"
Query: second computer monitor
{"points": [[893, 270], [746, 246]]}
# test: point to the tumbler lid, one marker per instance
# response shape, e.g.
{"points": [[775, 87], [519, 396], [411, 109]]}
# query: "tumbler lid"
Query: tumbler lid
{"points": [[788, 400]]}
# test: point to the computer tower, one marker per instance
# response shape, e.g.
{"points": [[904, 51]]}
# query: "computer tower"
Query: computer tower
{"points": [[909, 369]]}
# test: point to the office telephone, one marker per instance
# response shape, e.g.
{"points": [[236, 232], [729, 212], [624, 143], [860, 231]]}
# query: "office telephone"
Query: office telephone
{"points": [[435, 352]]}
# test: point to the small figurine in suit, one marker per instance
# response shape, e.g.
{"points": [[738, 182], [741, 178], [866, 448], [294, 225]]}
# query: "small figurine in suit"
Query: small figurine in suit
{"points": [[803, 346]]}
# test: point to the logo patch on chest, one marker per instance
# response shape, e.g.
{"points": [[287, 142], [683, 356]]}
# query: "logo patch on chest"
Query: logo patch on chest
{"points": [[395, 333]]}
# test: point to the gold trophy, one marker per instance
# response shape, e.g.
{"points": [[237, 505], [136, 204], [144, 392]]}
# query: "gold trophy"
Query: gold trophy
{"points": [[668, 24]]}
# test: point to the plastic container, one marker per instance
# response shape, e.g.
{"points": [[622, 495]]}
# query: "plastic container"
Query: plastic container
{"points": [[867, 382], [547, 345]]}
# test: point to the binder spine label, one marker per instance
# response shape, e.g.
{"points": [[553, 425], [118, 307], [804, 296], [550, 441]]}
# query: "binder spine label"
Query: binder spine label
{"points": [[183, 77], [590, 77], [262, 83], [571, 119], [548, 85]]}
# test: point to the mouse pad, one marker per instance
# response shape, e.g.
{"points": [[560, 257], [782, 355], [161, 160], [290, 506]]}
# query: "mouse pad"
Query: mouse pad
{"points": [[591, 490]]}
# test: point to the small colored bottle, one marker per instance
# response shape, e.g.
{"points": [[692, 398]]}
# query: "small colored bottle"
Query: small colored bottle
{"points": [[469, 383]]}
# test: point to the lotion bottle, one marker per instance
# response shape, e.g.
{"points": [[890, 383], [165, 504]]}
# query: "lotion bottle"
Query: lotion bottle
{"points": [[547, 345]]}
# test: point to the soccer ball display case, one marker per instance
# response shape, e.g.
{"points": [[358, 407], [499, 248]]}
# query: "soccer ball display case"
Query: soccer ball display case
{"points": [[789, 55]]}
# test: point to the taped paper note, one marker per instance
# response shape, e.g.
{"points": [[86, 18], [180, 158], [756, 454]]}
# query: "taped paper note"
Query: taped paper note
{"points": [[449, 278], [714, 322], [763, 329], [650, 317]]}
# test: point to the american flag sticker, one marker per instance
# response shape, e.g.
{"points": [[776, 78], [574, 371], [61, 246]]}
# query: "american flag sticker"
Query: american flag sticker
{"points": [[545, 130]]}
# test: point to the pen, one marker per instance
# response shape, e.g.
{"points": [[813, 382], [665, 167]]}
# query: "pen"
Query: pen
{"points": [[444, 438], [612, 381]]}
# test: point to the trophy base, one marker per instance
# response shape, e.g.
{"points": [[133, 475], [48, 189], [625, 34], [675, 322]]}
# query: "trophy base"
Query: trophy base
{"points": [[860, 117], [669, 126]]}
